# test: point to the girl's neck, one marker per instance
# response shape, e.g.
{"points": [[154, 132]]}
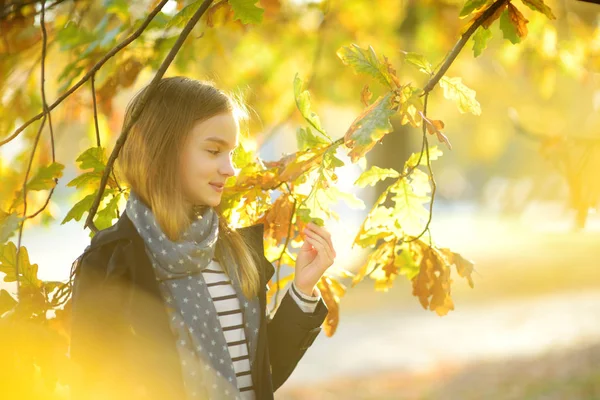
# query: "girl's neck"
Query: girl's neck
{"points": [[196, 210]]}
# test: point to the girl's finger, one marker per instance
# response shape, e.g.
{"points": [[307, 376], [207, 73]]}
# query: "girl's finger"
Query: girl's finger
{"points": [[321, 232], [329, 245], [319, 244], [319, 229]]}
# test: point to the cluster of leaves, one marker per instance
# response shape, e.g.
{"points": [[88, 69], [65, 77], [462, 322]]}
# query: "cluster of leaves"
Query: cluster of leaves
{"points": [[305, 179], [315, 162], [33, 330], [512, 22]]}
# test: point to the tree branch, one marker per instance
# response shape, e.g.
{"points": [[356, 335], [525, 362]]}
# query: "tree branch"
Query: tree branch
{"points": [[429, 87], [433, 185], [92, 81], [92, 71], [6, 14], [461, 43], [137, 111], [35, 144], [45, 46]]}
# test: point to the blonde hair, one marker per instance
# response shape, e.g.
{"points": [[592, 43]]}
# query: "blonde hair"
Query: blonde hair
{"points": [[149, 160]]}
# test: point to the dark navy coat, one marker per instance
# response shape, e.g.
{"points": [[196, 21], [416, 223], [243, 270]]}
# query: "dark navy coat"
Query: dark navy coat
{"points": [[120, 332]]}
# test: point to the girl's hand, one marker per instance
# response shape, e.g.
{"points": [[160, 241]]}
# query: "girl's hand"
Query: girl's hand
{"points": [[315, 256]]}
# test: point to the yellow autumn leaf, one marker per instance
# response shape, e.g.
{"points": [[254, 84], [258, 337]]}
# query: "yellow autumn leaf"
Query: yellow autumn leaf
{"points": [[464, 97]]}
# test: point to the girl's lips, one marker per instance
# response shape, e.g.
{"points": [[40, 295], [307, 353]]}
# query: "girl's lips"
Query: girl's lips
{"points": [[217, 188]]}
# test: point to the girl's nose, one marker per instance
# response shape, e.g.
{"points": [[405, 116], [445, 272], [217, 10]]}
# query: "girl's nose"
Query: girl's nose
{"points": [[227, 168]]}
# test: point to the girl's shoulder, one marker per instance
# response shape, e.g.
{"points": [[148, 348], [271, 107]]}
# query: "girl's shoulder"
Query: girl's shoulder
{"points": [[101, 258]]}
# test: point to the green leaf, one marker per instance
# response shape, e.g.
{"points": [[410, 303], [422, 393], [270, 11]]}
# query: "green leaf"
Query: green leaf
{"points": [[470, 6], [334, 193], [375, 174], [160, 22], [379, 225], [8, 225], [241, 158], [369, 127], [305, 215], [86, 179], [538, 5], [303, 104], [464, 97], [410, 198], [331, 161], [318, 206], [79, 208], [480, 40], [84, 205], [8, 261], [120, 8], [411, 103], [182, 17], [6, 302], [71, 36], [508, 28], [405, 262], [418, 61], [247, 11], [105, 216], [44, 178], [8, 264], [94, 158], [306, 139], [365, 61], [434, 154], [321, 200]]}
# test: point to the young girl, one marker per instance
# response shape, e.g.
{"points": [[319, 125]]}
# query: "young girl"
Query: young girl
{"points": [[170, 302]]}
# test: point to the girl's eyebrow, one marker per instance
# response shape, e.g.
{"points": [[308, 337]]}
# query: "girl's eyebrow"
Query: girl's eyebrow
{"points": [[218, 140]]}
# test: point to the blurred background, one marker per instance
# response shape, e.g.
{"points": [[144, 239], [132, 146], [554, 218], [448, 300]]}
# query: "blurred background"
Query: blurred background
{"points": [[518, 193]]}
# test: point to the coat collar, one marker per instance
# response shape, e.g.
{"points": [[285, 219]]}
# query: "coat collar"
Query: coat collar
{"points": [[124, 229]]}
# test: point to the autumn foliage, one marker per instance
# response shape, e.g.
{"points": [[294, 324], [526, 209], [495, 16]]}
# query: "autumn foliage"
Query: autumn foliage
{"points": [[305, 182]]}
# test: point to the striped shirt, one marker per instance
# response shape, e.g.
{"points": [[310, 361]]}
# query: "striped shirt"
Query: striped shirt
{"points": [[230, 317]]}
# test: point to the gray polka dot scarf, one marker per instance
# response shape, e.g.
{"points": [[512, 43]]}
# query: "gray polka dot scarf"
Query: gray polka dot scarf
{"points": [[207, 367]]}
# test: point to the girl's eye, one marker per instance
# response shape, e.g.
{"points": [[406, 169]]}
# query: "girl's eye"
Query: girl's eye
{"points": [[213, 151]]}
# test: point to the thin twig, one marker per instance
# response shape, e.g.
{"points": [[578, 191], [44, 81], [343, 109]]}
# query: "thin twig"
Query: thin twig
{"points": [[433, 185], [92, 80], [137, 111], [35, 144], [428, 87], [285, 245], [98, 143], [8, 13], [93, 70], [460, 44], [45, 46], [404, 175]]}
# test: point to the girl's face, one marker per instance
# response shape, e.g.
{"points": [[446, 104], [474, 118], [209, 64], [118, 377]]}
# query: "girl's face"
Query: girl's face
{"points": [[206, 159]]}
